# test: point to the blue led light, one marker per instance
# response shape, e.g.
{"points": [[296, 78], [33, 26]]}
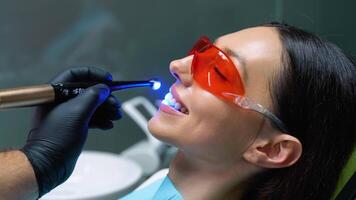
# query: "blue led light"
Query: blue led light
{"points": [[156, 84]]}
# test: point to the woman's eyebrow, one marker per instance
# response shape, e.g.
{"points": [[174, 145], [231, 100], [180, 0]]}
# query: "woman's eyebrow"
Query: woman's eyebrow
{"points": [[241, 60], [238, 57]]}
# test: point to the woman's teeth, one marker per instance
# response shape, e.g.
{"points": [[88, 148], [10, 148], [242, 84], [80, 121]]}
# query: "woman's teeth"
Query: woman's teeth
{"points": [[170, 101]]}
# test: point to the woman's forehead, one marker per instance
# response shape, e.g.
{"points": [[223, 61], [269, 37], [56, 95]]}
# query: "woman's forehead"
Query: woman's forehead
{"points": [[258, 39], [258, 47]]}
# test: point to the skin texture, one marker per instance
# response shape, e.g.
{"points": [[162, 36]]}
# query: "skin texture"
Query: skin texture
{"points": [[220, 145], [18, 180]]}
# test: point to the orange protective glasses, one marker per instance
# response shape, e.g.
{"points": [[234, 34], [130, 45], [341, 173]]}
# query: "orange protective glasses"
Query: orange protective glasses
{"points": [[216, 73]]}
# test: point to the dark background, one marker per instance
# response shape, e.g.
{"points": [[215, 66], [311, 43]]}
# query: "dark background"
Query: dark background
{"points": [[135, 40]]}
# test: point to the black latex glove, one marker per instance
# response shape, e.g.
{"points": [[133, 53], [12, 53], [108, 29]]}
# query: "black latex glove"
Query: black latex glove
{"points": [[60, 130]]}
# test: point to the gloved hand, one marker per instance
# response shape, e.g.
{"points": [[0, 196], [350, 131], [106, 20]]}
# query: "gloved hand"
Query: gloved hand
{"points": [[60, 130]]}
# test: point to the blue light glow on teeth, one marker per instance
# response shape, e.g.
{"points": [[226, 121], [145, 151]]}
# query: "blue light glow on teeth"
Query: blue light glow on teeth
{"points": [[170, 101]]}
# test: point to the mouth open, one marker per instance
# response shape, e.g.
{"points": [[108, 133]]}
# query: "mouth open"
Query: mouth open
{"points": [[169, 100]]}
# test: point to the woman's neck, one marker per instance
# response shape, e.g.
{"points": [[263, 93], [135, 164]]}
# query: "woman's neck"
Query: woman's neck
{"points": [[200, 179]]}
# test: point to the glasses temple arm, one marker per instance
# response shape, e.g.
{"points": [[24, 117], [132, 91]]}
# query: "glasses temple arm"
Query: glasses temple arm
{"points": [[246, 103]]}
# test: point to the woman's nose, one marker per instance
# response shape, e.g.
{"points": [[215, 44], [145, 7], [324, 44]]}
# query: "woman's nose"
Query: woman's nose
{"points": [[181, 70]]}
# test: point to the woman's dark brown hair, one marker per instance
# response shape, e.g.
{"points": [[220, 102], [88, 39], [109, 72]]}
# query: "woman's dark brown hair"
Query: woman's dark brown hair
{"points": [[315, 96]]}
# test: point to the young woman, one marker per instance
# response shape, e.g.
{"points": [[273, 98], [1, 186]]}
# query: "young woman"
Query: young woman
{"points": [[263, 113]]}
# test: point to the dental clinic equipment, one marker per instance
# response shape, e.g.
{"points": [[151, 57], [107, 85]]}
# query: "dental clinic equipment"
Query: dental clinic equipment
{"points": [[47, 93], [147, 153], [150, 153]]}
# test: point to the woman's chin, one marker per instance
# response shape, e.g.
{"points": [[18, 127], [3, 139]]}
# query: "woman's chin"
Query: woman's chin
{"points": [[152, 127], [159, 130], [155, 128]]}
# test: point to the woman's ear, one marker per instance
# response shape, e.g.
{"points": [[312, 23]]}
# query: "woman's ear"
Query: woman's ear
{"points": [[278, 151]]}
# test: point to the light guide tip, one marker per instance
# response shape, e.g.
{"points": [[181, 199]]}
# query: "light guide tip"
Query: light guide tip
{"points": [[156, 84]]}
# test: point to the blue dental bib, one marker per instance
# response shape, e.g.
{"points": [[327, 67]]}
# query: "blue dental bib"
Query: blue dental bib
{"points": [[162, 189]]}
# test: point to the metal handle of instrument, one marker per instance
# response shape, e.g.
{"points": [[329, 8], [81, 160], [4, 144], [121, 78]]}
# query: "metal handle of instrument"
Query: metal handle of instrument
{"points": [[26, 96]]}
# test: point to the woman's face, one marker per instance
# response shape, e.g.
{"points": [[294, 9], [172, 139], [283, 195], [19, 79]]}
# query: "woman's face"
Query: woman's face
{"points": [[212, 128]]}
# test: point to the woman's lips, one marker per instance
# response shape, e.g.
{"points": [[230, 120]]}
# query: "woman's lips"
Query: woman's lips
{"points": [[167, 109], [177, 97]]}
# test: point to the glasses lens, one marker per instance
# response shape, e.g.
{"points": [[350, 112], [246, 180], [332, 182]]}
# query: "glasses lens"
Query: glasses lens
{"points": [[214, 71]]}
